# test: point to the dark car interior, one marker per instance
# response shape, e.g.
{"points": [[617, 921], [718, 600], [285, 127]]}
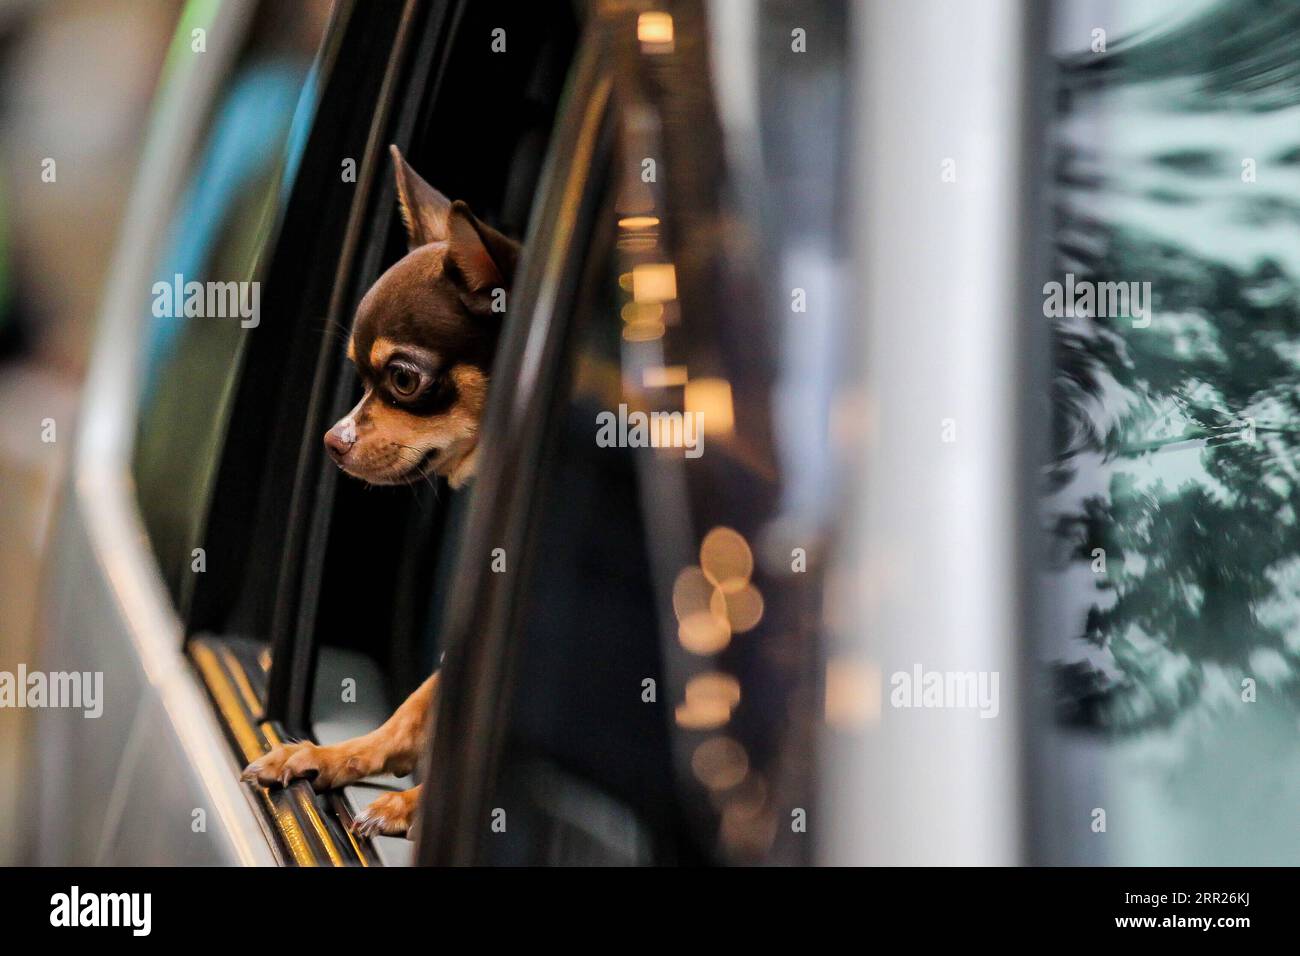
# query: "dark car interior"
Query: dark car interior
{"points": [[482, 125]]}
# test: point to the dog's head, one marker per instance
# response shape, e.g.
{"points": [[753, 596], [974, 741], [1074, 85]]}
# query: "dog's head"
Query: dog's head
{"points": [[423, 342]]}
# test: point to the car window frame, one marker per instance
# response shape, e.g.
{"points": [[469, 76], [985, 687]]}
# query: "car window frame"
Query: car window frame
{"points": [[478, 623], [439, 38], [246, 471], [305, 828], [419, 49], [271, 701]]}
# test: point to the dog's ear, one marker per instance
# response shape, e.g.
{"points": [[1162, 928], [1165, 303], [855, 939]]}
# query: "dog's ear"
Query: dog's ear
{"points": [[481, 259], [424, 209]]}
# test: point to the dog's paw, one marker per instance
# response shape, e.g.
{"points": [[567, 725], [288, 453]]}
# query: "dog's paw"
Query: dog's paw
{"points": [[325, 767], [393, 814]]}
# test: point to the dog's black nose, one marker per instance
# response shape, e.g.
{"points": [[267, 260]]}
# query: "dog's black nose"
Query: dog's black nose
{"points": [[340, 439]]}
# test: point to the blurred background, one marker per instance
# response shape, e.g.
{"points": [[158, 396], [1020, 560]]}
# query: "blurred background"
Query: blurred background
{"points": [[77, 79]]}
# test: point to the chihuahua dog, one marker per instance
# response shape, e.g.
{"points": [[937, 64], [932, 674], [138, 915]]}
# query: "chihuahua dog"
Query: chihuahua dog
{"points": [[423, 342]]}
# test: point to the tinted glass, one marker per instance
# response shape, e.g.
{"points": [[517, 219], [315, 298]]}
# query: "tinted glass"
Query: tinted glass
{"points": [[748, 342], [205, 299], [668, 691]]}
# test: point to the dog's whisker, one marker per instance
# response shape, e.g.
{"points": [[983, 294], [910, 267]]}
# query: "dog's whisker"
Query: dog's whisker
{"points": [[334, 325], [417, 473]]}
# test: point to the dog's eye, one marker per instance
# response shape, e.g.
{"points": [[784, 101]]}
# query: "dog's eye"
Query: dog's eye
{"points": [[404, 381]]}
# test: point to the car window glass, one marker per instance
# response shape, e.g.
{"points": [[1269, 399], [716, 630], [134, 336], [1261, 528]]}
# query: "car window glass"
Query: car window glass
{"points": [[204, 298], [669, 718]]}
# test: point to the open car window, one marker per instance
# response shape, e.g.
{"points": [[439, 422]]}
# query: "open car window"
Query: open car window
{"points": [[343, 664]]}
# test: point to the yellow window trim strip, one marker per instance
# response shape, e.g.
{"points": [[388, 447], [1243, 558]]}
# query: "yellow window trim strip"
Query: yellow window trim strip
{"points": [[234, 696]]}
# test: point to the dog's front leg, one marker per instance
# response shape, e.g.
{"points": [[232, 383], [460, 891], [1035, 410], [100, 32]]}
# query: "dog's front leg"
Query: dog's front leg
{"points": [[393, 814], [393, 748]]}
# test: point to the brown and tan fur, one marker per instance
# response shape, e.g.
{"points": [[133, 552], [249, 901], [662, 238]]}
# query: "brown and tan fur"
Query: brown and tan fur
{"points": [[423, 342], [392, 748]]}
